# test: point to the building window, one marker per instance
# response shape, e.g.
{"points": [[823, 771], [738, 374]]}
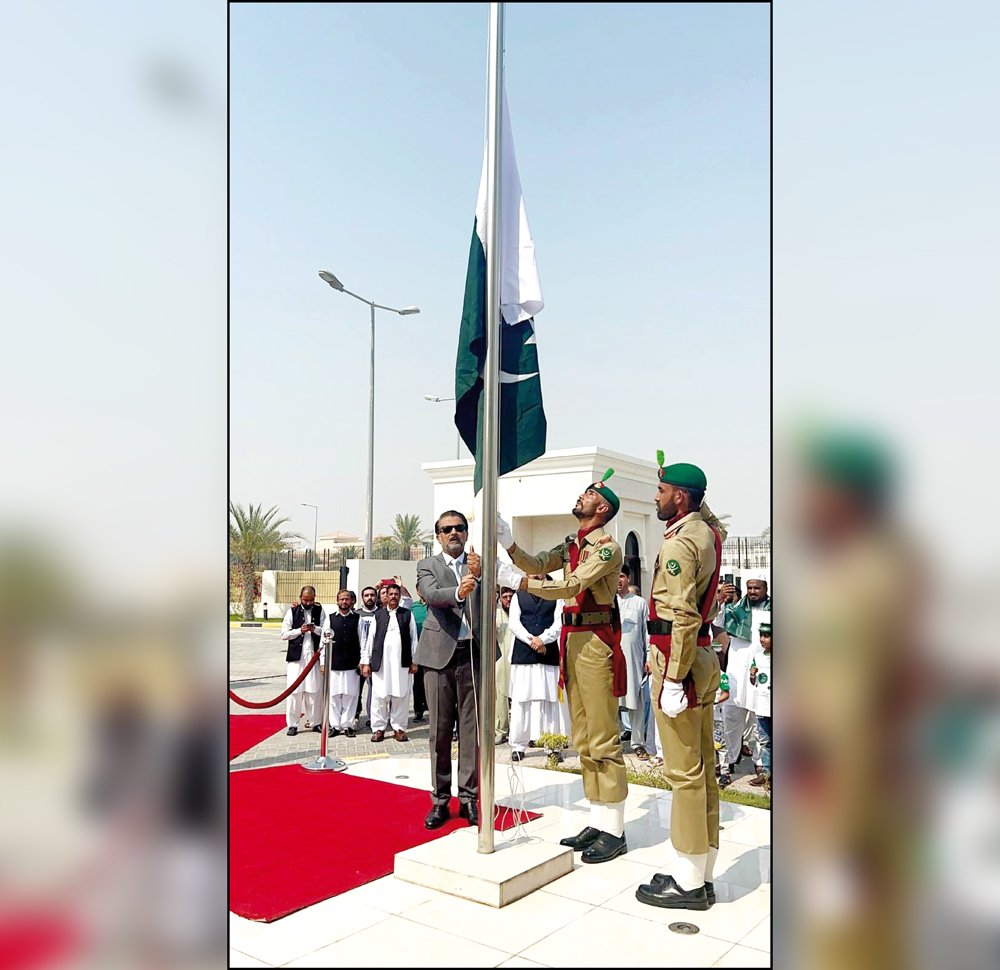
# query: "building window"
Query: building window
{"points": [[632, 560]]}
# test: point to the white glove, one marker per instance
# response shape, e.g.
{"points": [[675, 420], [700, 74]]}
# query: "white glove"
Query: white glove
{"points": [[508, 575], [504, 536], [673, 700]]}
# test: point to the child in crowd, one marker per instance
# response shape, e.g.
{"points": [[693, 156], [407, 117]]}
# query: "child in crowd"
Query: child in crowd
{"points": [[721, 695], [760, 677]]}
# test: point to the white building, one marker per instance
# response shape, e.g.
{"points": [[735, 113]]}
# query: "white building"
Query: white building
{"points": [[537, 500]]}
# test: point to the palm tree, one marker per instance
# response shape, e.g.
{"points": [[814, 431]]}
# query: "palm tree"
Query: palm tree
{"points": [[766, 534], [348, 552], [407, 532], [251, 533], [384, 547]]}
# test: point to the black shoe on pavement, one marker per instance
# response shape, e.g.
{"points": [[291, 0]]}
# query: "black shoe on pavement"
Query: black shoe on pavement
{"points": [[318, 728], [333, 732], [581, 841], [469, 810], [668, 895], [292, 731], [660, 878], [725, 779], [436, 817], [517, 756], [605, 848], [349, 733]]}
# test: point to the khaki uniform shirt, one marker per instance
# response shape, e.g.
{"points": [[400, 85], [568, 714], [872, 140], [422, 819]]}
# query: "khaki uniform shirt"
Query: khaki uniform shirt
{"points": [[681, 577], [598, 569]]}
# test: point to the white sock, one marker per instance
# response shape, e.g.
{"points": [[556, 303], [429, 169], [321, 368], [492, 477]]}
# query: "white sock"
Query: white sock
{"points": [[614, 819], [597, 816], [689, 870], [713, 854]]}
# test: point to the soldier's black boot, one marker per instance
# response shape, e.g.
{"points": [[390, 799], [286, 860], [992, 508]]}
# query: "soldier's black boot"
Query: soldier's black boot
{"points": [[605, 848], [668, 895], [580, 842]]}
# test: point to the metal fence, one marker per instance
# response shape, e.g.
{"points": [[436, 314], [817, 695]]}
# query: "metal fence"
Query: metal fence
{"points": [[746, 552], [305, 560]]}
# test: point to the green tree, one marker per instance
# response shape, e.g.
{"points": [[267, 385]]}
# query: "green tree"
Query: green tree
{"points": [[253, 532], [408, 532], [349, 552], [766, 534], [385, 547]]}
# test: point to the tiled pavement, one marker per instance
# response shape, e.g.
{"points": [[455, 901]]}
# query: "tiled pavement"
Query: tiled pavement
{"points": [[391, 923]]}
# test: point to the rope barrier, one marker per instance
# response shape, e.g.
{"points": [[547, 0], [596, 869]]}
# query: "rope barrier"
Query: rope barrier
{"points": [[288, 690]]}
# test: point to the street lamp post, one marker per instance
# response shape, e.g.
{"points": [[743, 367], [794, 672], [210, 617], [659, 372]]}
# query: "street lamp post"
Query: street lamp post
{"points": [[441, 400], [328, 277], [315, 528]]}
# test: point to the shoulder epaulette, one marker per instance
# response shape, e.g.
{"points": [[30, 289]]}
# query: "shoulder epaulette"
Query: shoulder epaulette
{"points": [[600, 542]]}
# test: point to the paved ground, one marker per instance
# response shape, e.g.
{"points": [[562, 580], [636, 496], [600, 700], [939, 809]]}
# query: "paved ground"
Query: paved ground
{"points": [[392, 923], [257, 672]]}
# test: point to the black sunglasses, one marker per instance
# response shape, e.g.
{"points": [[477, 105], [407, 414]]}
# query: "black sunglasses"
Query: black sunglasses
{"points": [[445, 529]]}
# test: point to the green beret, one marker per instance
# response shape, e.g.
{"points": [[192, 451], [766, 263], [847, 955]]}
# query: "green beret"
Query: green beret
{"points": [[604, 490], [765, 628], [853, 460], [684, 475]]}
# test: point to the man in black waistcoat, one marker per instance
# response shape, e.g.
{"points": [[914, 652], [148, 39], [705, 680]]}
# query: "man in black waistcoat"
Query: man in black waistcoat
{"points": [[535, 708], [389, 655], [345, 682], [301, 627]]}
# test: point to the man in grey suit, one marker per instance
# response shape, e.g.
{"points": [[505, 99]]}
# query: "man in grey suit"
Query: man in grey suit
{"points": [[449, 647]]}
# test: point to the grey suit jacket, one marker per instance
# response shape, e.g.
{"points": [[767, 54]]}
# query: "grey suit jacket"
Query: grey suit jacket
{"points": [[443, 623]]}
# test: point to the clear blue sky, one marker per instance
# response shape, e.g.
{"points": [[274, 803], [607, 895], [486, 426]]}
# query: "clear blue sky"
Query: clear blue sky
{"points": [[356, 139]]}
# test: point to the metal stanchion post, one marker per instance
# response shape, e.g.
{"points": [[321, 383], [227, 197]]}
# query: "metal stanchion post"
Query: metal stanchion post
{"points": [[324, 763]]}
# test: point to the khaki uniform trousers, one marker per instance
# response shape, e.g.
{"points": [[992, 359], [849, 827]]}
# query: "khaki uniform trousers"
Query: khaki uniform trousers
{"points": [[593, 713], [689, 756]]}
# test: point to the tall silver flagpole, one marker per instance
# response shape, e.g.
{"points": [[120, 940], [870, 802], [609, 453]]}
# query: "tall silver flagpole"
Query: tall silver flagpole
{"points": [[491, 433]]}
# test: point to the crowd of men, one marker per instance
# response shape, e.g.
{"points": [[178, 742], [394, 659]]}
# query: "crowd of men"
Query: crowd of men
{"points": [[678, 677]]}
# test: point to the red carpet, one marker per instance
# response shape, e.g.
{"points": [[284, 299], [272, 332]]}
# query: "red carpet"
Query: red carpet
{"points": [[246, 730], [356, 826]]}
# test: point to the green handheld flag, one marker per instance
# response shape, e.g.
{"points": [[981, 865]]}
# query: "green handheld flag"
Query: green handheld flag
{"points": [[522, 417]]}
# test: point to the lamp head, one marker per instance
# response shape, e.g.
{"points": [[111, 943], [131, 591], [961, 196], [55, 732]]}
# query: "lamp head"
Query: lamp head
{"points": [[407, 310], [328, 277]]}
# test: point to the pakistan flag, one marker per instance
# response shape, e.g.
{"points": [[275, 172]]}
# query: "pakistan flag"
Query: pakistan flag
{"points": [[522, 418]]}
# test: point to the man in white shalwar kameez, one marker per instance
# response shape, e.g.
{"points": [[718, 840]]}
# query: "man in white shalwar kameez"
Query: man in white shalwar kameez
{"points": [[345, 682], [535, 708], [389, 654], [634, 613], [302, 627]]}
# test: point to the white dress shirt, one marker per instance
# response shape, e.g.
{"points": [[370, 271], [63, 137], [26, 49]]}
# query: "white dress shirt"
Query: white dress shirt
{"points": [[455, 565]]}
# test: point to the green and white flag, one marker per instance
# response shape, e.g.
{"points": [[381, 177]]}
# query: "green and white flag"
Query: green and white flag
{"points": [[522, 418]]}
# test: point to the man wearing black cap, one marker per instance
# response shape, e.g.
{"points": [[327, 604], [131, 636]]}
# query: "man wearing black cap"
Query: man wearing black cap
{"points": [[592, 665], [685, 675]]}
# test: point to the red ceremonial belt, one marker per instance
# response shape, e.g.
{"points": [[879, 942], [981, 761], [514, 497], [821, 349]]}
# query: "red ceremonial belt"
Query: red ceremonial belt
{"points": [[662, 640], [609, 633]]}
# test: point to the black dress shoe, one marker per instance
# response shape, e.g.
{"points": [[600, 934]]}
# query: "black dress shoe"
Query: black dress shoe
{"points": [[436, 817], [580, 842], [469, 810], [668, 895], [349, 732], [333, 732], [318, 728], [660, 878], [605, 848], [517, 756], [292, 731]]}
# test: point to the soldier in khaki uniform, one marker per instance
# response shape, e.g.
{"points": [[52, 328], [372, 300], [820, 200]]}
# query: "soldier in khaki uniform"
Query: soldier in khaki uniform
{"points": [[685, 679], [592, 665]]}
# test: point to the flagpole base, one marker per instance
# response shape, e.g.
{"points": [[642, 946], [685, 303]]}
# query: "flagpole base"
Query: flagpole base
{"points": [[326, 764]]}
